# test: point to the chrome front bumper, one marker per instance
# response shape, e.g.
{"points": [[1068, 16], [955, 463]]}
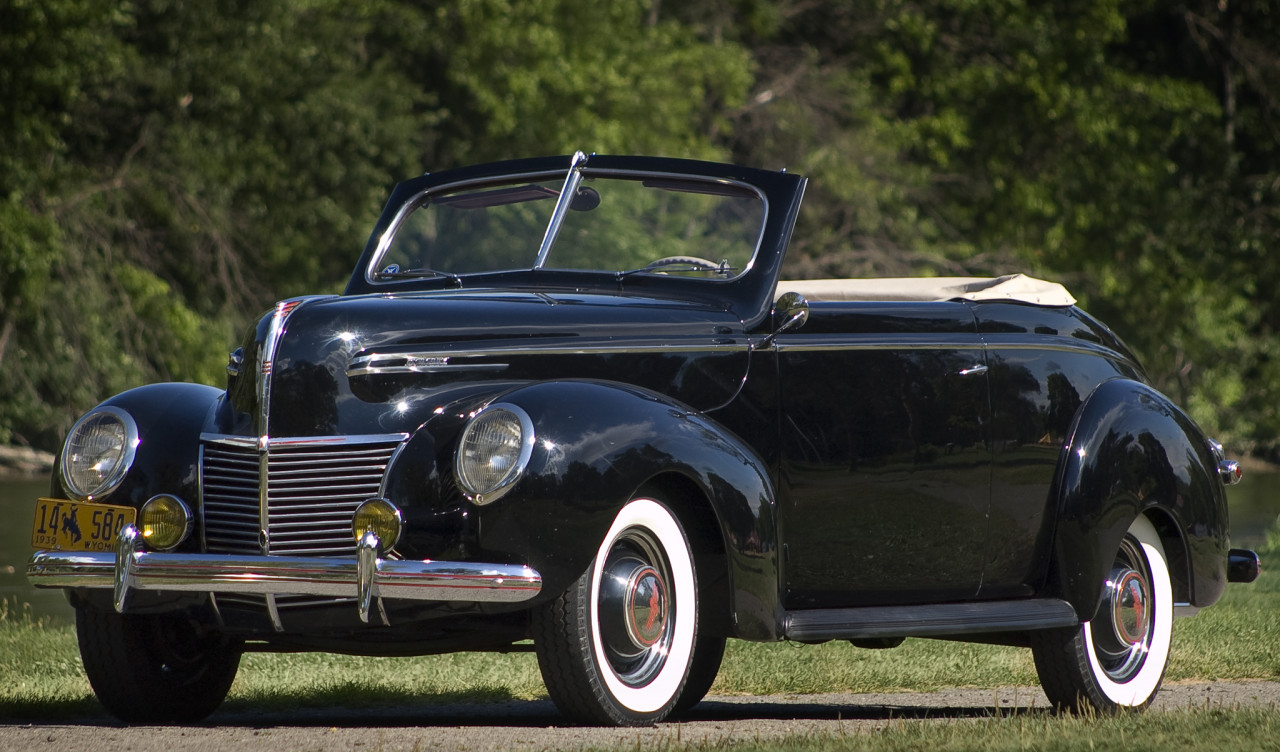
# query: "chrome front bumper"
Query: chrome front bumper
{"points": [[364, 575]]}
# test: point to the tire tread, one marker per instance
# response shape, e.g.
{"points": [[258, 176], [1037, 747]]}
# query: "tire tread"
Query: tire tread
{"points": [[119, 655]]}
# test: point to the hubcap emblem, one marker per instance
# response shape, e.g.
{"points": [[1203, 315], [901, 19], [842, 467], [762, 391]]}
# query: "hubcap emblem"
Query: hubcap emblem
{"points": [[1132, 612], [646, 607]]}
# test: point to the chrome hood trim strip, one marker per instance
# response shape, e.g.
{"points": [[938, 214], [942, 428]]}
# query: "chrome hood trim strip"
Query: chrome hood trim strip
{"points": [[435, 361]]}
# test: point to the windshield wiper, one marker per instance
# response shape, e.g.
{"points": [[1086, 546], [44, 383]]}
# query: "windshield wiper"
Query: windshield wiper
{"points": [[395, 272], [691, 264]]}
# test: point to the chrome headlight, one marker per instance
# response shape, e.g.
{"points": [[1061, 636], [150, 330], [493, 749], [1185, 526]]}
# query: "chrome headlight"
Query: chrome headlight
{"points": [[495, 447], [98, 452]]}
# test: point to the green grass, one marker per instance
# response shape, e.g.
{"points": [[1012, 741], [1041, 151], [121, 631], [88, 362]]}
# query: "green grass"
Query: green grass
{"points": [[41, 678]]}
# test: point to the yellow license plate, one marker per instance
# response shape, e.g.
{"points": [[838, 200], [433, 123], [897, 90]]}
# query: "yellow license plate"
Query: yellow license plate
{"points": [[62, 525]]}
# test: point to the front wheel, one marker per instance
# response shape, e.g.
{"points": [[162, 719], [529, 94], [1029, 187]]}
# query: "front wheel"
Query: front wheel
{"points": [[155, 668], [616, 647], [1118, 659]]}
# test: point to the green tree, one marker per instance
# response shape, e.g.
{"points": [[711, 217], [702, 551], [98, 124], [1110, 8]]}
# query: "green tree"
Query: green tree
{"points": [[1126, 148], [176, 167], [529, 77]]}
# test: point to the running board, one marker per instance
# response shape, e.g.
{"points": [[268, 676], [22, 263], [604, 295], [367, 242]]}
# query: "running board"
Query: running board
{"points": [[948, 619]]}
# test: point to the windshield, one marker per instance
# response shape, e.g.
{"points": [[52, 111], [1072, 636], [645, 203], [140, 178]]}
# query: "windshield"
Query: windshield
{"points": [[621, 224]]}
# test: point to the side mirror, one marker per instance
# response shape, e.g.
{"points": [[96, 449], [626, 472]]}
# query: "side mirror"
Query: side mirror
{"points": [[792, 310]]}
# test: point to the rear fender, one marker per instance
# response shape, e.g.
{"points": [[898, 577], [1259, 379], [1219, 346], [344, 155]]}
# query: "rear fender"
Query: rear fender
{"points": [[1132, 452], [598, 444]]}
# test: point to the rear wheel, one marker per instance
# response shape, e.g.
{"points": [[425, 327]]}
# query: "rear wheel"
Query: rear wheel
{"points": [[617, 646], [155, 668], [1118, 659]]}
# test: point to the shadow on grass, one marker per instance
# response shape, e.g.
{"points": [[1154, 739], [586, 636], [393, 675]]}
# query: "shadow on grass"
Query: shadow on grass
{"points": [[339, 708], [765, 709], [86, 710]]}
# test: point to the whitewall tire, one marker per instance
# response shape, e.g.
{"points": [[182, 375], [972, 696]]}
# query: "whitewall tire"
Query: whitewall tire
{"points": [[1118, 659], [616, 646]]}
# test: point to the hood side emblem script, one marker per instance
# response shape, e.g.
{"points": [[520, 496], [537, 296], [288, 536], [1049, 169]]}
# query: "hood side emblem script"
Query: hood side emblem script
{"points": [[377, 363]]}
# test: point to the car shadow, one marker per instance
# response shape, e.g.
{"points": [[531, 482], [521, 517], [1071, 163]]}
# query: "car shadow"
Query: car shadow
{"points": [[543, 714]]}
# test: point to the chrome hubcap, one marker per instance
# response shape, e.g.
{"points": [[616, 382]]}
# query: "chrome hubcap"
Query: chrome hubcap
{"points": [[1122, 646], [635, 608], [1131, 611]]}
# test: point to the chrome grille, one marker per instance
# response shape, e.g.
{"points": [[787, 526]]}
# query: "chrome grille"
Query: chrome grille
{"points": [[313, 489], [229, 486]]}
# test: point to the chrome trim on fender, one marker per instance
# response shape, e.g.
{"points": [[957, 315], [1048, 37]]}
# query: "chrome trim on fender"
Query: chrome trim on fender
{"points": [[837, 342], [129, 568]]}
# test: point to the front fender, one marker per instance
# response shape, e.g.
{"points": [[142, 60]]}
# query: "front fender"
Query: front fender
{"points": [[598, 444], [170, 419], [1132, 452]]}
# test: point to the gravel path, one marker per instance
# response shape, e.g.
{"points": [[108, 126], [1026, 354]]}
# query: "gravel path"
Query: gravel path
{"points": [[536, 726]]}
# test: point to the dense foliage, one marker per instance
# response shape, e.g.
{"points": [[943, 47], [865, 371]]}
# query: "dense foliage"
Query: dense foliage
{"points": [[169, 168]]}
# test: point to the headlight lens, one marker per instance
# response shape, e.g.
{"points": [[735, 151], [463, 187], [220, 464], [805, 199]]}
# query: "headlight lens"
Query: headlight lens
{"points": [[98, 452], [380, 517], [493, 452], [165, 522]]}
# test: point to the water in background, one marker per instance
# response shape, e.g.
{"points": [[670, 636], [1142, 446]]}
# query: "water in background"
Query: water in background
{"points": [[17, 509], [1255, 505]]}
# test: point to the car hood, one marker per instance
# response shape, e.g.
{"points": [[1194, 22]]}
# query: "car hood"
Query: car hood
{"points": [[370, 364]]}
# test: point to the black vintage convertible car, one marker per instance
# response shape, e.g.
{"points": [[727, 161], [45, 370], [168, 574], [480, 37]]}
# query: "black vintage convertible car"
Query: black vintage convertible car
{"points": [[566, 405]]}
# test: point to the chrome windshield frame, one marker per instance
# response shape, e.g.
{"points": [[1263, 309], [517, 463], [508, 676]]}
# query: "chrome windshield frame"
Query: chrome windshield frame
{"points": [[573, 180], [571, 183]]}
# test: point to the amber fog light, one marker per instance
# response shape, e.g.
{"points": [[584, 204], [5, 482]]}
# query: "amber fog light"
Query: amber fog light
{"points": [[380, 517], [165, 521]]}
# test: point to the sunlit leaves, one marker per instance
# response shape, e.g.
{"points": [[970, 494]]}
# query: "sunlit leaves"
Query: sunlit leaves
{"points": [[556, 76]]}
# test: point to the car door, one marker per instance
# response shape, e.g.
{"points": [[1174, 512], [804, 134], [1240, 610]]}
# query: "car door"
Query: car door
{"points": [[884, 475], [1044, 363]]}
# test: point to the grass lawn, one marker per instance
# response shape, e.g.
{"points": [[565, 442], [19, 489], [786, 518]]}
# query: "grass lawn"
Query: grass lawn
{"points": [[1239, 638]]}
